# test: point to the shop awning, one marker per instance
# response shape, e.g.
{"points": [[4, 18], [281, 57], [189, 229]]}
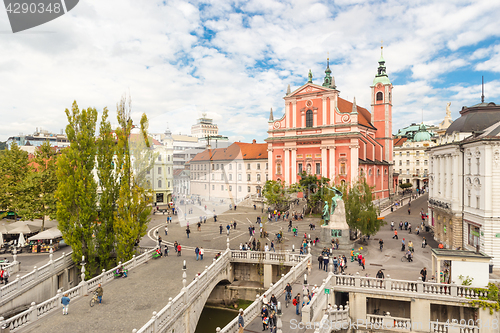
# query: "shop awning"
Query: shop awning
{"points": [[51, 233]]}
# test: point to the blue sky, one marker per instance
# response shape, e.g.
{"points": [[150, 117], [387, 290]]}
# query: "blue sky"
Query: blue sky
{"points": [[234, 59]]}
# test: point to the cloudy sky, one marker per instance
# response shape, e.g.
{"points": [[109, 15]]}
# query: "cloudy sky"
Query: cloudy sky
{"points": [[234, 59]]}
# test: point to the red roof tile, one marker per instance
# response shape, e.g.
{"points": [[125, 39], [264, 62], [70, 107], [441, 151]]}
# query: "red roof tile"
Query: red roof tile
{"points": [[399, 141], [238, 150], [364, 116]]}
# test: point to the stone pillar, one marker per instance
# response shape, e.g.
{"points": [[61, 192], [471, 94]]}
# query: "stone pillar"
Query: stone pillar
{"points": [[332, 110], [420, 314], [354, 163], [315, 118], [294, 166], [294, 113], [268, 275], [272, 169], [323, 111], [287, 114], [331, 156], [286, 166], [303, 118], [357, 306], [324, 157]]}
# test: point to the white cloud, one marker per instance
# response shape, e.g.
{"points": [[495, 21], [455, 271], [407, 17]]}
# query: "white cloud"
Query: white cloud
{"points": [[162, 55]]}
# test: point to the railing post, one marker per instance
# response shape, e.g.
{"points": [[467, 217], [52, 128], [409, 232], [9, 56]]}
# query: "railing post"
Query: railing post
{"points": [[217, 330], [36, 272], [420, 285], [155, 324], [357, 280], [453, 290], [33, 313], [134, 261], [19, 284], [388, 283]]}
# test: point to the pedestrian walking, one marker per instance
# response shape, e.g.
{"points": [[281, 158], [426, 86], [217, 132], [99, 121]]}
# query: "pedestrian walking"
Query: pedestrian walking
{"points": [[395, 234], [202, 252], [320, 261], [65, 303], [423, 274], [408, 210], [326, 259], [199, 226], [403, 245], [197, 252], [188, 231], [241, 322], [296, 302], [166, 231], [409, 227], [159, 242], [179, 250], [363, 262], [220, 229]]}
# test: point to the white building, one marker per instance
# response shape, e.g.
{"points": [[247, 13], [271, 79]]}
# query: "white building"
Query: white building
{"points": [[231, 173], [30, 142], [464, 184], [182, 182], [411, 160], [161, 176], [204, 127]]}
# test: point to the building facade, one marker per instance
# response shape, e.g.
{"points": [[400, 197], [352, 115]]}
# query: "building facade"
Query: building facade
{"points": [[204, 127], [30, 142], [323, 134], [411, 160], [182, 182], [231, 173], [161, 175], [464, 183]]}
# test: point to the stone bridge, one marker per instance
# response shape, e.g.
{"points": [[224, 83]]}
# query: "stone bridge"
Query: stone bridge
{"points": [[183, 312]]}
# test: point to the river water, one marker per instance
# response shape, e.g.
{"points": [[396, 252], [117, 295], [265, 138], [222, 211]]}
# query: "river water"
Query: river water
{"points": [[211, 318]]}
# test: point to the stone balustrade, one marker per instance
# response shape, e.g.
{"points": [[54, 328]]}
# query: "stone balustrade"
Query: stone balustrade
{"points": [[333, 320], [166, 318], [318, 303], [253, 311], [25, 282], [37, 311], [405, 288]]}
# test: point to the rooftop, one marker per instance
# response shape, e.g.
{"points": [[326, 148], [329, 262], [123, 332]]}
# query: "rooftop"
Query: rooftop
{"points": [[459, 253]]}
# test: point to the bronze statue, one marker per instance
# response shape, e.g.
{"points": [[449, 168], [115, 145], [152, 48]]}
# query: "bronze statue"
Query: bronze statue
{"points": [[328, 212]]}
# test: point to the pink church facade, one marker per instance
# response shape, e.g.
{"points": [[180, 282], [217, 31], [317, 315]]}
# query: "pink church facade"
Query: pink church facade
{"points": [[326, 135]]}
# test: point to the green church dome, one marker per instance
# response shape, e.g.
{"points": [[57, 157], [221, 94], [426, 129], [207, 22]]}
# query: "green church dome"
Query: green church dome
{"points": [[422, 134]]}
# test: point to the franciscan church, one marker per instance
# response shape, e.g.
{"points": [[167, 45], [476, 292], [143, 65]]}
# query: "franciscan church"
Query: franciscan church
{"points": [[325, 135]]}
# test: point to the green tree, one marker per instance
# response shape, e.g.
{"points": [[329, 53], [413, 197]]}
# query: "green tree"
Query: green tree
{"points": [[361, 213], [133, 203], [108, 186], [41, 185], [77, 189], [314, 190], [276, 194], [14, 169]]}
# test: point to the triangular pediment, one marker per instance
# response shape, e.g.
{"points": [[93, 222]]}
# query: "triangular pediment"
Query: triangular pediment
{"points": [[309, 88]]}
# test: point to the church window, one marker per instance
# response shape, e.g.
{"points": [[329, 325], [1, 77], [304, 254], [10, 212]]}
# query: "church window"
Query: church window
{"points": [[258, 177], [370, 172], [342, 168], [300, 168], [378, 172], [380, 96], [309, 118], [230, 167], [278, 168], [478, 165], [318, 168], [400, 154], [159, 183], [400, 162]]}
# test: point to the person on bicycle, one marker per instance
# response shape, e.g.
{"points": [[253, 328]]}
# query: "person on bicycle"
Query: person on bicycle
{"points": [[288, 291], [392, 225], [381, 243], [99, 293]]}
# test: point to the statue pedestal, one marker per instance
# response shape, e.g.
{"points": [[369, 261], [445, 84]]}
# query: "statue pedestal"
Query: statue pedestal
{"points": [[337, 228]]}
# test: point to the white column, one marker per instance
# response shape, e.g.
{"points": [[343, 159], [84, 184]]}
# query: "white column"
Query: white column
{"points": [[303, 118], [354, 165], [294, 166], [456, 195], [269, 160], [315, 118], [294, 114], [286, 151], [324, 156], [332, 112], [287, 114], [331, 152], [323, 112], [487, 190]]}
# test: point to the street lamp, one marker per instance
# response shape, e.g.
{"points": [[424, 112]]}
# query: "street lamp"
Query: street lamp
{"points": [[184, 274]]}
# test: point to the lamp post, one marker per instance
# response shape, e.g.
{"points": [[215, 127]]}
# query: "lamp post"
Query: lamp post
{"points": [[184, 274], [279, 323]]}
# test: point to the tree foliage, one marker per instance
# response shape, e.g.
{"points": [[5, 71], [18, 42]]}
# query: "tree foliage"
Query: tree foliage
{"points": [[133, 209], [41, 185], [77, 190], [14, 170], [360, 211], [405, 185], [276, 194], [314, 190]]}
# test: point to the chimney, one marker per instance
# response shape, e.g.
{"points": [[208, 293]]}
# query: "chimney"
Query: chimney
{"points": [[254, 141]]}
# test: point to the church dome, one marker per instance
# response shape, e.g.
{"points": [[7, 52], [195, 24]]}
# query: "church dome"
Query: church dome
{"points": [[422, 134], [475, 118]]}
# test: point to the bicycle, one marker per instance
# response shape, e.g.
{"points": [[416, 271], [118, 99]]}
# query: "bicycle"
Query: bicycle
{"points": [[94, 299], [288, 296]]}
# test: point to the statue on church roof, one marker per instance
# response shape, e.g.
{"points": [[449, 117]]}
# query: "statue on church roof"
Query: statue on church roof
{"points": [[310, 77]]}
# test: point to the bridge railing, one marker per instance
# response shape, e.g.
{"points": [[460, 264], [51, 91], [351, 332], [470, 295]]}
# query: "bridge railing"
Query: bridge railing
{"points": [[253, 311], [334, 319], [168, 316], [318, 303], [37, 311], [406, 287], [25, 282], [286, 257]]}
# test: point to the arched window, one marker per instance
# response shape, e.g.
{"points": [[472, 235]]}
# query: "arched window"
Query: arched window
{"points": [[309, 118], [380, 96]]}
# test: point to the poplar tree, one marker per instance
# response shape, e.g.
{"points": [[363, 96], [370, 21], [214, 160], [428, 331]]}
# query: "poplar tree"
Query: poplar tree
{"points": [[77, 189], [108, 186], [14, 170], [41, 185], [133, 203]]}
